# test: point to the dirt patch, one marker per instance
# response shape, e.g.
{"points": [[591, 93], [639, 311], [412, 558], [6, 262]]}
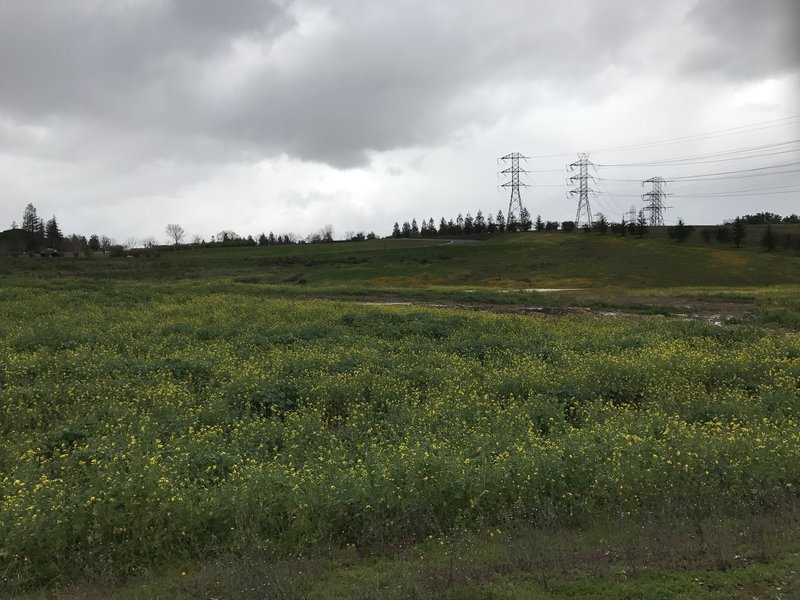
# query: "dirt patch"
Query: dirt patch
{"points": [[702, 309]]}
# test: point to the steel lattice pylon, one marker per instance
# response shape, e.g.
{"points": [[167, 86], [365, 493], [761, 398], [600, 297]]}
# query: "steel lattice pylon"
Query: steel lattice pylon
{"points": [[515, 202], [582, 190], [655, 201]]}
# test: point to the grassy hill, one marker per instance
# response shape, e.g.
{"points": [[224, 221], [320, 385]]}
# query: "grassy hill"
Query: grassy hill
{"points": [[523, 260]]}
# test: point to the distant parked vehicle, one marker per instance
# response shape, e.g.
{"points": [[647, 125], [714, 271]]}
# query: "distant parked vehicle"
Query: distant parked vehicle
{"points": [[50, 252]]}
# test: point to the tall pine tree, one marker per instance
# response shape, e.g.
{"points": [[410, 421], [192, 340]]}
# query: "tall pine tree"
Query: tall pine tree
{"points": [[53, 234]]}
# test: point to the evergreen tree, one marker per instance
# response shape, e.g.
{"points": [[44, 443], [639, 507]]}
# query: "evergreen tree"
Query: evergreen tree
{"points": [[53, 234], [539, 223], [469, 224], [263, 240], [602, 225], [406, 231], [680, 232], [271, 239], [442, 227], [480, 223], [491, 226], [501, 221], [33, 228], [512, 224], [94, 242], [739, 231], [30, 220], [414, 228], [396, 230], [459, 224]]}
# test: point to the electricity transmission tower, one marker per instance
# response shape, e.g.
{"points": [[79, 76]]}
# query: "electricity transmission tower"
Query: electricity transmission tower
{"points": [[655, 201], [582, 189], [515, 202]]}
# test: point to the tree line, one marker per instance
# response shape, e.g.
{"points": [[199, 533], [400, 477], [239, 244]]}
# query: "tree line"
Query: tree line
{"points": [[35, 235], [733, 232], [468, 225], [177, 236]]}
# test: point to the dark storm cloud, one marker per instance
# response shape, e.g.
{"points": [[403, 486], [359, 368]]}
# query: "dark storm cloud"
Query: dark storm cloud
{"points": [[743, 39], [330, 81], [82, 57], [371, 76], [390, 75]]}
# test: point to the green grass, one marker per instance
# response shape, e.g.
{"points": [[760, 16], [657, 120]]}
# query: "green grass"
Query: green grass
{"points": [[653, 275], [204, 411], [510, 261], [714, 559]]}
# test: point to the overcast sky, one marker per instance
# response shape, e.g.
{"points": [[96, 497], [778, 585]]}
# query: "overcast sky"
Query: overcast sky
{"points": [[121, 116]]}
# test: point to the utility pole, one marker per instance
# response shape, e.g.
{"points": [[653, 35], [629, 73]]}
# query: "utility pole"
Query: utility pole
{"points": [[515, 202], [654, 201], [582, 189]]}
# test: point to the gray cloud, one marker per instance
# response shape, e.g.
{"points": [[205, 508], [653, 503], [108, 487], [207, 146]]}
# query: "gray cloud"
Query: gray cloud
{"points": [[373, 77], [741, 39]]}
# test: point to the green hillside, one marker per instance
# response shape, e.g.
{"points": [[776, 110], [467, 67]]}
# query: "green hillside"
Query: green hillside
{"points": [[523, 260]]}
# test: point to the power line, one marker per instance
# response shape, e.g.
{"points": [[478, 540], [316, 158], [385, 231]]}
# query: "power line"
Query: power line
{"points": [[735, 194], [701, 176], [782, 122], [718, 194], [679, 162], [689, 177], [712, 154], [746, 176]]}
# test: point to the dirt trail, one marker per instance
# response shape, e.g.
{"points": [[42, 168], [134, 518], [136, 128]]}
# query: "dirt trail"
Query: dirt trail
{"points": [[702, 309]]}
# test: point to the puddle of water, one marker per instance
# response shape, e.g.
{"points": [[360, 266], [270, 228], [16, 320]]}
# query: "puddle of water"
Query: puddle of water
{"points": [[540, 290]]}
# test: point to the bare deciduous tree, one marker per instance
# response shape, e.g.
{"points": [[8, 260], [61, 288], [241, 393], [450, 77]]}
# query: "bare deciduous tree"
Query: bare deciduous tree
{"points": [[175, 233]]}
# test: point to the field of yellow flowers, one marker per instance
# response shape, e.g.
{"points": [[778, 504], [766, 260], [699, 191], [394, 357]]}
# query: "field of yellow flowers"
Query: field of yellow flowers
{"points": [[145, 424]]}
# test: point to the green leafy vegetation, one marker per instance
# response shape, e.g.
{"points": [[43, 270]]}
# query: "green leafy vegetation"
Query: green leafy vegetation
{"points": [[157, 425]]}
